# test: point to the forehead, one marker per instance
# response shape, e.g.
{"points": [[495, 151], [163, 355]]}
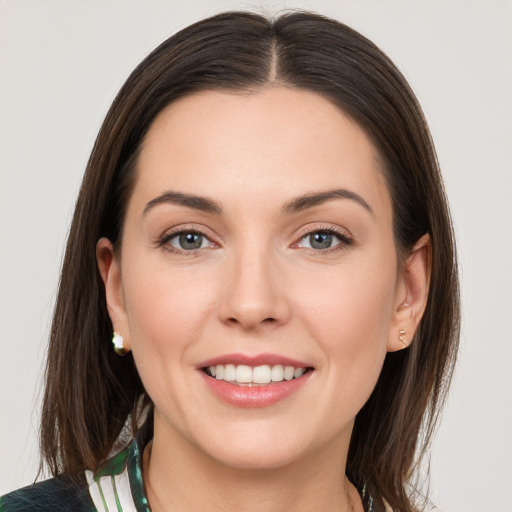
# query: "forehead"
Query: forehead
{"points": [[273, 143]]}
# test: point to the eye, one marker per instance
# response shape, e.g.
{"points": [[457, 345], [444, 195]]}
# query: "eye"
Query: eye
{"points": [[323, 239], [188, 241]]}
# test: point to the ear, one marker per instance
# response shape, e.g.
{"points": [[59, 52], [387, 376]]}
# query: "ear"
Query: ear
{"points": [[110, 271], [411, 295]]}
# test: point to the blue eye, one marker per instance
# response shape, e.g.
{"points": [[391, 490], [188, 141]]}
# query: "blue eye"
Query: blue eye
{"points": [[188, 241], [322, 240]]}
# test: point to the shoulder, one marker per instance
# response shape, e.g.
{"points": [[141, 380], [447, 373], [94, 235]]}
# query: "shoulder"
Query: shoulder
{"points": [[60, 494]]}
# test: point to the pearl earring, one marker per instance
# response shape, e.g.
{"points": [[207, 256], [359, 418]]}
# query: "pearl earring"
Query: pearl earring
{"points": [[118, 344]]}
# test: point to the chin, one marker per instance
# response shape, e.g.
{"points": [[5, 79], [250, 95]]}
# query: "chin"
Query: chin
{"points": [[256, 459], [260, 448]]}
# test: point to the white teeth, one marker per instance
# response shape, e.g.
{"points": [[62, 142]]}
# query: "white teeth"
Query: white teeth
{"points": [[298, 372], [230, 372], [277, 373], [243, 374], [288, 372], [261, 375]]}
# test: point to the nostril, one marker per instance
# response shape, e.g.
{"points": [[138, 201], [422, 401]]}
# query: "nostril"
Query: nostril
{"points": [[268, 320]]}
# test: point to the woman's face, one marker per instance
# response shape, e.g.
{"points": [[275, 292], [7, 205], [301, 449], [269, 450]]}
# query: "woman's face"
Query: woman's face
{"points": [[258, 235]]}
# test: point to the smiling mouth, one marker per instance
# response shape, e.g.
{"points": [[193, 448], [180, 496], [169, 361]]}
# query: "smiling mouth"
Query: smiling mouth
{"points": [[249, 376]]}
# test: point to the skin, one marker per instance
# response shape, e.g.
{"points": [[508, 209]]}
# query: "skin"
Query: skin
{"points": [[256, 287]]}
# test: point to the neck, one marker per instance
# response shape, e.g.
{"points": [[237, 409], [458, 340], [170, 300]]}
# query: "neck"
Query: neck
{"points": [[181, 478]]}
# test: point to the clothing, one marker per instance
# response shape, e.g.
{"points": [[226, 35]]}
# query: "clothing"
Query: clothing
{"points": [[116, 487]]}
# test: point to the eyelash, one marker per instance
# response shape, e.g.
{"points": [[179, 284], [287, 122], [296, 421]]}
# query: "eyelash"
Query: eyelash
{"points": [[169, 235], [344, 240]]}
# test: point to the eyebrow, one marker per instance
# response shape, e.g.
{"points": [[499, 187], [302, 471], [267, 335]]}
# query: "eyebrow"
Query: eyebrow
{"points": [[190, 201], [296, 205], [316, 198]]}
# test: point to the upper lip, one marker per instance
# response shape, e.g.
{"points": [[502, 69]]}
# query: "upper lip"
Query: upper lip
{"points": [[254, 360]]}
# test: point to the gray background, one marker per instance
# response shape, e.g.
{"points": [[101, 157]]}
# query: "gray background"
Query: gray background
{"points": [[61, 63]]}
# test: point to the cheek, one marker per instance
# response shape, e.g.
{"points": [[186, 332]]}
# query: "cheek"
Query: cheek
{"points": [[349, 318], [166, 308], [356, 306]]}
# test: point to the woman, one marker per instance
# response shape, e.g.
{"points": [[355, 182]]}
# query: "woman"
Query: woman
{"points": [[259, 286]]}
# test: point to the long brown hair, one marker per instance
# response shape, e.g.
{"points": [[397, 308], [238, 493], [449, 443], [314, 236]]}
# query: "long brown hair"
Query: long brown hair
{"points": [[90, 392]]}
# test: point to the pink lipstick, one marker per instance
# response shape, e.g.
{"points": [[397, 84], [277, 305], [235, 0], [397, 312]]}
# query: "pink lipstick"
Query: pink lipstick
{"points": [[254, 380]]}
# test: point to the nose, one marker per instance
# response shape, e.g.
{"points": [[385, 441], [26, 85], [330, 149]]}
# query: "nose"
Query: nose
{"points": [[254, 292]]}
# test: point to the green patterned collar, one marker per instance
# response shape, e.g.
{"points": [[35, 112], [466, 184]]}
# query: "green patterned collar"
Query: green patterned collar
{"points": [[118, 486]]}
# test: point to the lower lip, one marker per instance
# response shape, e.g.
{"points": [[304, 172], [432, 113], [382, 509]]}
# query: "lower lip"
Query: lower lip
{"points": [[254, 396]]}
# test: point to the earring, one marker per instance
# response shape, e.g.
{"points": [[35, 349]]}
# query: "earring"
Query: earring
{"points": [[118, 344], [401, 337]]}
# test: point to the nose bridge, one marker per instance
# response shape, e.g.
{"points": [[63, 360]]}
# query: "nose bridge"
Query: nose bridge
{"points": [[255, 291]]}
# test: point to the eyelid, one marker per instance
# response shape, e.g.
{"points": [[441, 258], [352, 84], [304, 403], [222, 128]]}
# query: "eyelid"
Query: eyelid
{"points": [[341, 233], [331, 228], [344, 236], [175, 231]]}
